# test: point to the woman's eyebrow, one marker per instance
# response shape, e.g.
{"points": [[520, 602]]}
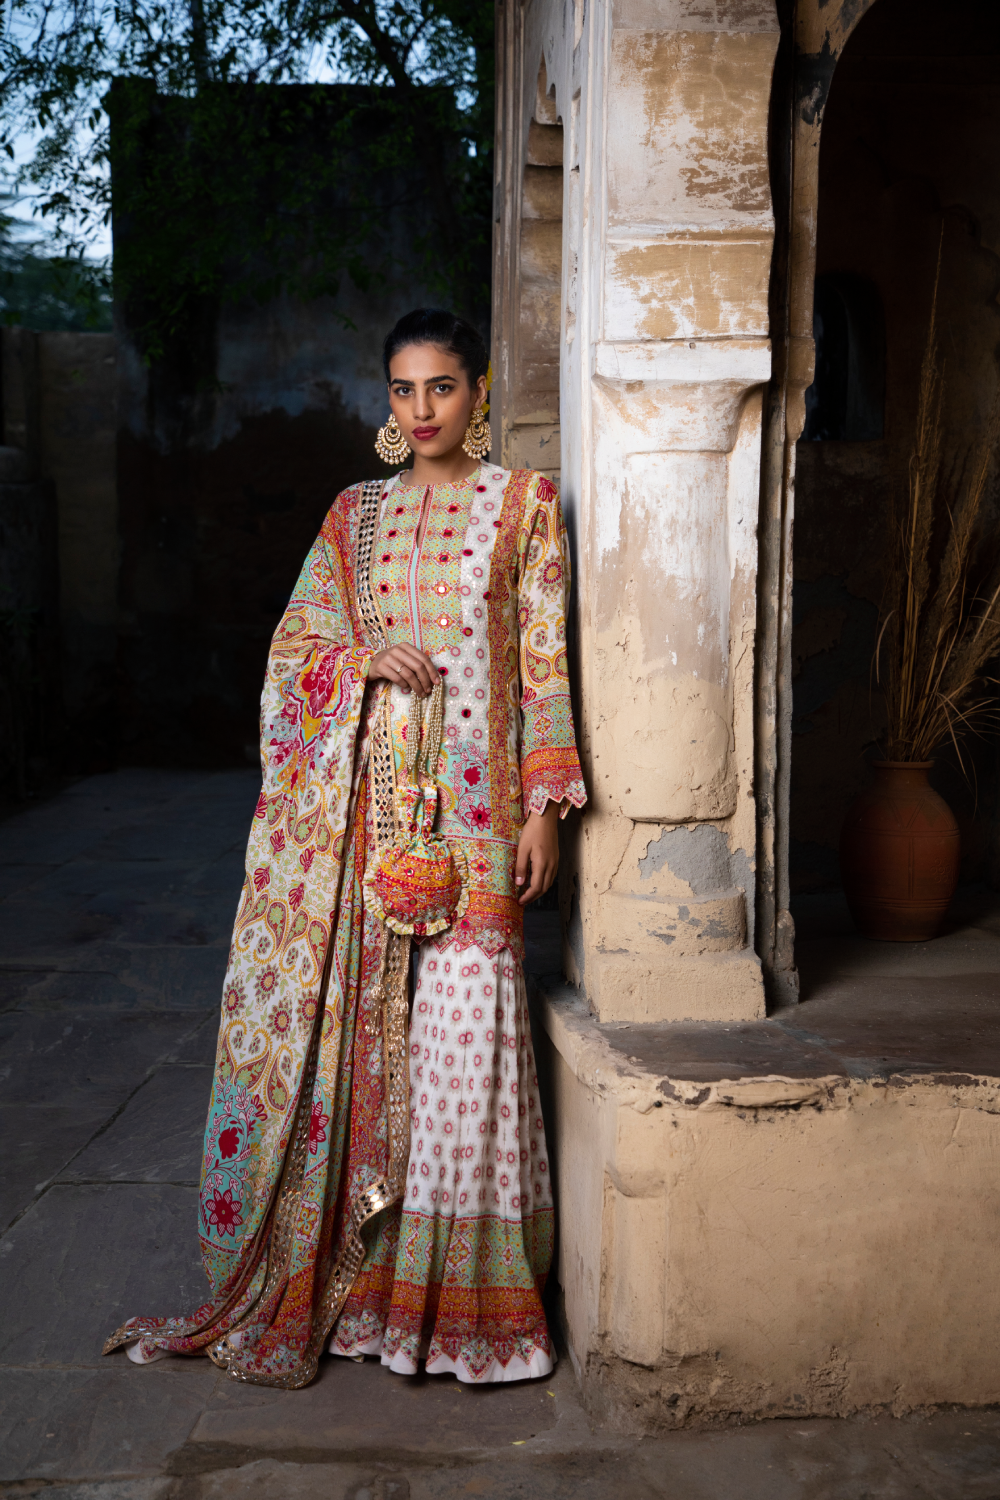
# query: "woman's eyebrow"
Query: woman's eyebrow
{"points": [[434, 380]]}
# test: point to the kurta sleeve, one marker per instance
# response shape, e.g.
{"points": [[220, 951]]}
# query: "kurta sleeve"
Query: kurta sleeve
{"points": [[550, 766]]}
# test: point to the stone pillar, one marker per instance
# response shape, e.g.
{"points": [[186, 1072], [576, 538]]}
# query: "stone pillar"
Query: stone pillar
{"points": [[667, 234]]}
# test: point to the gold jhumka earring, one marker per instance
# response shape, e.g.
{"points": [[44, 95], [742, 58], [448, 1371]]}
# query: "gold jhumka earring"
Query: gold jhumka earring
{"points": [[390, 445], [478, 437]]}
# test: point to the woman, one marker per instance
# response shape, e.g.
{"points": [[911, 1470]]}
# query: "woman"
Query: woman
{"points": [[344, 1204]]}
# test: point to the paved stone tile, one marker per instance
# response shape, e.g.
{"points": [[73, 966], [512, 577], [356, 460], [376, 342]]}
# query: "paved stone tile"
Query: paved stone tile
{"points": [[156, 1138], [17, 877], [173, 838], [225, 873], [858, 1459], [61, 990], [87, 879], [200, 1046], [30, 839], [54, 931], [102, 1489], [268, 1479], [957, 1451], [610, 1476], [223, 793], [351, 1408], [177, 978], [84, 1056], [71, 823], [38, 1141], [190, 919], [182, 806], [66, 933], [17, 984], [83, 1424], [84, 1259], [879, 1457]]}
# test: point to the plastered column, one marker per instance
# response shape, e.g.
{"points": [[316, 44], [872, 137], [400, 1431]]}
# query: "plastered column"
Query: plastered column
{"points": [[667, 351], [661, 109]]}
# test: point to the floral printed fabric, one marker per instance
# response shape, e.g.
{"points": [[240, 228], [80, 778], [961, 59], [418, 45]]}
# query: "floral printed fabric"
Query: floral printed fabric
{"points": [[456, 1275], [300, 1071], [485, 596]]}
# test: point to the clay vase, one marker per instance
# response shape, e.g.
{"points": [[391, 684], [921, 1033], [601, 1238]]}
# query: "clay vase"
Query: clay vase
{"points": [[899, 854]]}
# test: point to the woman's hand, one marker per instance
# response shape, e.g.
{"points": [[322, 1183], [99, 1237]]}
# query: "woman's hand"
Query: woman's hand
{"points": [[408, 668], [538, 853]]}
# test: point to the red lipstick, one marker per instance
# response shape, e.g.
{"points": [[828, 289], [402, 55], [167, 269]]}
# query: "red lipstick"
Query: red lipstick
{"points": [[424, 434]]}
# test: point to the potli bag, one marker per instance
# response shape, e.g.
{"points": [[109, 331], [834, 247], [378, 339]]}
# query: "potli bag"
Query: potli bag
{"points": [[419, 883]]}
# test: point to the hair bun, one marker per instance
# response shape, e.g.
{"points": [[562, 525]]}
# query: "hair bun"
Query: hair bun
{"points": [[432, 325]]}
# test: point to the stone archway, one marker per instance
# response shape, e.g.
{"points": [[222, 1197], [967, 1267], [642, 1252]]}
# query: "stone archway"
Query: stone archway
{"points": [[873, 115]]}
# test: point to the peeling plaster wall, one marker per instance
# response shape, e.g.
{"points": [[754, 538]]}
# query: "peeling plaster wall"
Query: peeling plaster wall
{"points": [[772, 1246], [666, 243], [761, 1245]]}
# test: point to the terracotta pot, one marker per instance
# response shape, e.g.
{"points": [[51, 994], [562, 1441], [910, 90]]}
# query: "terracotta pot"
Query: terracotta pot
{"points": [[899, 854]]}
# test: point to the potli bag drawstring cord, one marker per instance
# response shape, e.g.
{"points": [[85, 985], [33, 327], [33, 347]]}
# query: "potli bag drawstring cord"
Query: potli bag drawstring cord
{"points": [[430, 724], [427, 718]]}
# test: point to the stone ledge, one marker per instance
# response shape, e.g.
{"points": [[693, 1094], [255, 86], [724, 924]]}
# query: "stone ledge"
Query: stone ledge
{"points": [[859, 1029], [645, 1066], [759, 1219]]}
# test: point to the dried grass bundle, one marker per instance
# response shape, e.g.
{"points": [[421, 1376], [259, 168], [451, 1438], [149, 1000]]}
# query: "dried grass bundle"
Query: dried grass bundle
{"points": [[940, 621]]}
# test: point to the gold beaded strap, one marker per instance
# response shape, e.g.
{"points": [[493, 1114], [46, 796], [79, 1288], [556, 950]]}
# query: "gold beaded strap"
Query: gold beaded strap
{"points": [[429, 725], [380, 748]]}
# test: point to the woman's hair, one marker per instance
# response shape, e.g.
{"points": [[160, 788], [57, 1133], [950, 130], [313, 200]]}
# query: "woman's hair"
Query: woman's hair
{"points": [[431, 325]]}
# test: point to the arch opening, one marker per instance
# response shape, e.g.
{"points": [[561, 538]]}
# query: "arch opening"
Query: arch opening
{"points": [[910, 137]]}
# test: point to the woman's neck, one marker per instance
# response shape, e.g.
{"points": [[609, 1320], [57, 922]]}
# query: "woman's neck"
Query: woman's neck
{"points": [[450, 468]]}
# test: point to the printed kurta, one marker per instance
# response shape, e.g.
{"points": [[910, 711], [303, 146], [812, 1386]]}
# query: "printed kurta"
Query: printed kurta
{"points": [[318, 1215]]}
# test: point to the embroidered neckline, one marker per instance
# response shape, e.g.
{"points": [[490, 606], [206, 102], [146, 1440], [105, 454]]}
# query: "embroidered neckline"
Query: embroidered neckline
{"points": [[450, 484]]}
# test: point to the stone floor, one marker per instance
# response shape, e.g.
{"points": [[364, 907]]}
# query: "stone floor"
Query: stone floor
{"points": [[115, 904]]}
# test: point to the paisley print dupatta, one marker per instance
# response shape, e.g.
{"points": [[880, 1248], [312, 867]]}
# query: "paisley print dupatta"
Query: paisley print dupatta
{"points": [[308, 1125]]}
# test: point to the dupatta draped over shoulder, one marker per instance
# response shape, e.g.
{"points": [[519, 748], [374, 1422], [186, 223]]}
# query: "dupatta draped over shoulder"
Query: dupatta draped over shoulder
{"points": [[308, 1126]]}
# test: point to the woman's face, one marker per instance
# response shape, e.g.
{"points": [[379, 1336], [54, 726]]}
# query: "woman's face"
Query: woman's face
{"points": [[431, 398]]}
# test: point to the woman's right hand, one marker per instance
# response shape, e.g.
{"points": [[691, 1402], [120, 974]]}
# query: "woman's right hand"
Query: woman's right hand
{"points": [[408, 668]]}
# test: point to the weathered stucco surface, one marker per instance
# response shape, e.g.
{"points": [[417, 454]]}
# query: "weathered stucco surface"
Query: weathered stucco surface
{"points": [[771, 1245], [778, 1238], [657, 118]]}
